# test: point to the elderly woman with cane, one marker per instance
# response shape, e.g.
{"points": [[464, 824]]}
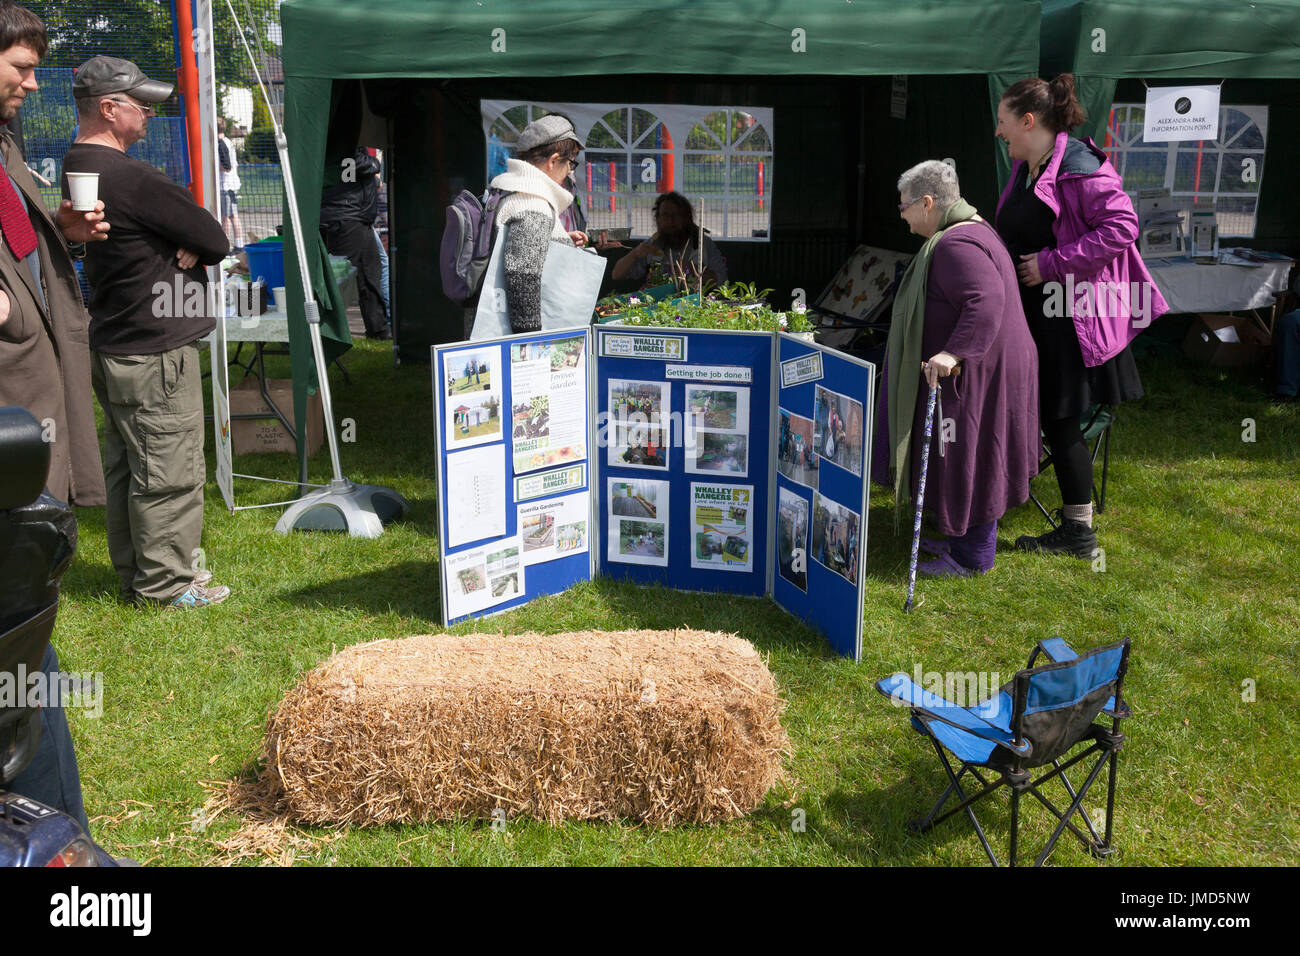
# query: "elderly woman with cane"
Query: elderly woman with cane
{"points": [[958, 311]]}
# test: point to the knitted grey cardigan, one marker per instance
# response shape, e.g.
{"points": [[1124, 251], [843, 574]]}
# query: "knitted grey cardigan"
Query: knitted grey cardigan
{"points": [[531, 215]]}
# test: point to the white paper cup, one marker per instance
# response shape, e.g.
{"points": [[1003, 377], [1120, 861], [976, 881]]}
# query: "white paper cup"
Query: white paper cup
{"points": [[83, 189], [277, 293]]}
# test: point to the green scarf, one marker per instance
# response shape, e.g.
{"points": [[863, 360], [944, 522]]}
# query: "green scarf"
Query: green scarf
{"points": [[903, 354]]}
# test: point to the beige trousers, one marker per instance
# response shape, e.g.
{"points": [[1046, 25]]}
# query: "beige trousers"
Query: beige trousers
{"points": [[153, 468]]}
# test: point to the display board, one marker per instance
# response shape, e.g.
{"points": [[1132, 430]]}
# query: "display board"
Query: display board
{"points": [[823, 465], [685, 477], [695, 459], [513, 422]]}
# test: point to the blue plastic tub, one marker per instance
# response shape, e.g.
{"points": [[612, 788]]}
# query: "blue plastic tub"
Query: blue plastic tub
{"points": [[266, 261]]}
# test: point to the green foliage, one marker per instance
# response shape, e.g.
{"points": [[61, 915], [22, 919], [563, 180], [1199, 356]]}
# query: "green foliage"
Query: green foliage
{"points": [[736, 306]]}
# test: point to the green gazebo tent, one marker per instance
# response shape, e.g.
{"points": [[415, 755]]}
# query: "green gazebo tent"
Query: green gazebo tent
{"points": [[824, 65]]}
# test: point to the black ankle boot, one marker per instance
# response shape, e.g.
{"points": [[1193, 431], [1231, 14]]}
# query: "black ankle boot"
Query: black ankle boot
{"points": [[1070, 537]]}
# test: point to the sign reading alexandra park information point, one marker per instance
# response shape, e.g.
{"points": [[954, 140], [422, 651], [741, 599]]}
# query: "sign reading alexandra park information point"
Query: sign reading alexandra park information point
{"points": [[1177, 113], [563, 454]]}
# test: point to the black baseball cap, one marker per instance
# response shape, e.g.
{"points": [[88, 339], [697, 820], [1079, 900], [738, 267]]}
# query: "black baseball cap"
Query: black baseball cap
{"points": [[104, 75]]}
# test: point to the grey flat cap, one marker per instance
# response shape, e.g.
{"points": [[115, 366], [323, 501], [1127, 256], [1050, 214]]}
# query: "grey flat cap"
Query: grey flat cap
{"points": [[102, 75], [546, 130]]}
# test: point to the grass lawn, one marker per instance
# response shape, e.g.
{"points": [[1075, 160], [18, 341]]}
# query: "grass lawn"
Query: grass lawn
{"points": [[1200, 569]]}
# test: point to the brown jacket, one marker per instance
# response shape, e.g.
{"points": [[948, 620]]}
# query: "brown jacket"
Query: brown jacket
{"points": [[45, 354]]}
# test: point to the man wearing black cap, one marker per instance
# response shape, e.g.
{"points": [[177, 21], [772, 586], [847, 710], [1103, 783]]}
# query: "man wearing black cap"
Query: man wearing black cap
{"points": [[149, 306]]}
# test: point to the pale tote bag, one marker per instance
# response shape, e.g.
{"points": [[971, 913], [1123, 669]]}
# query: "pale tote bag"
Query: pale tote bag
{"points": [[571, 280]]}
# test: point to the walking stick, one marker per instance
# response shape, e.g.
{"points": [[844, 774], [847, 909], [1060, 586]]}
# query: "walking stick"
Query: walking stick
{"points": [[920, 498]]}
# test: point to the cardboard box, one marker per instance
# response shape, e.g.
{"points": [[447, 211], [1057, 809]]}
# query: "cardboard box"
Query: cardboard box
{"points": [[249, 436], [1226, 341]]}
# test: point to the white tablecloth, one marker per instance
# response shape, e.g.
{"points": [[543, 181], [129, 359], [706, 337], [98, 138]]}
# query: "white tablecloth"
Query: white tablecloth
{"points": [[1189, 287]]}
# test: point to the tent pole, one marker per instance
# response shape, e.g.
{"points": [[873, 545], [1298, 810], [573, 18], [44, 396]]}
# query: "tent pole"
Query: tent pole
{"points": [[862, 160], [341, 506]]}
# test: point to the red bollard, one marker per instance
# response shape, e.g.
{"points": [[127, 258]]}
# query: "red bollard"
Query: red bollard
{"points": [[613, 183], [760, 184], [589, 185]]}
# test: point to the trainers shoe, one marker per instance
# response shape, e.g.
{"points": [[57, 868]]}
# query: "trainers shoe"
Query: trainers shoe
{"points": [[196, 595], [203, 577], [1070, 537]]}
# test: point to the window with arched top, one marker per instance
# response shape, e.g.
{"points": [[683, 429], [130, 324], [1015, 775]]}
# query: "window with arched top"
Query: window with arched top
{"points": [[629, 161], [1222, 174], [720, 158], [727, 162]]}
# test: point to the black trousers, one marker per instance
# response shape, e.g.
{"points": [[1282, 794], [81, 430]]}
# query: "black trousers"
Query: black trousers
{"points": [[356, 241]]}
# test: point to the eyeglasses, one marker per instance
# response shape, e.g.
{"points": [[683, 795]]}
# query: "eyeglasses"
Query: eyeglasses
{"points": [[573, 164], [902, 206], [146, 110]]}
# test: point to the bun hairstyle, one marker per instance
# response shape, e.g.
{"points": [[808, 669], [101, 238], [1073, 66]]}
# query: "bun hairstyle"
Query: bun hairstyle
{"points": [[1054, 104]]}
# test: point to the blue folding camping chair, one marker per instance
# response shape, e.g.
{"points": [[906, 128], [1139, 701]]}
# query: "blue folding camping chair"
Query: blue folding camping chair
{"points": [[1033, 721]]}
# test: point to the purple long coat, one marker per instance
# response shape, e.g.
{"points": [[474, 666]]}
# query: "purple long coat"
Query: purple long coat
{"points": [[989, 428]]}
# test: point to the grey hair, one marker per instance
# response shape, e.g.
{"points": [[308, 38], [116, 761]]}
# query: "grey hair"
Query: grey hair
{"points": [[931, 178]]}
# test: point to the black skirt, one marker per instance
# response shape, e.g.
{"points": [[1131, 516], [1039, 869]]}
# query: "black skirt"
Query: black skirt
{"points": [[1066, 387]]}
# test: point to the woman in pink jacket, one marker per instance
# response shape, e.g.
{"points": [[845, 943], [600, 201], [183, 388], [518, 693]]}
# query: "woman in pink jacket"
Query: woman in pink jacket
{"points": [[1071, 231]]}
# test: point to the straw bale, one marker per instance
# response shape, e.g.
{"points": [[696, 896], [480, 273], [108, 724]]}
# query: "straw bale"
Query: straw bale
{"points": [[663, 727]]}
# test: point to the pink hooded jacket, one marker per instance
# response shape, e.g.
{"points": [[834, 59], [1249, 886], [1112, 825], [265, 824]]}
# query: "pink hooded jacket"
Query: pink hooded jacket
{"points": [[1103, 281]]}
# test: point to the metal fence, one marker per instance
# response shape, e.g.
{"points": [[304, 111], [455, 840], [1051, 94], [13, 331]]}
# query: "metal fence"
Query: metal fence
{"points": [[143, 31]]}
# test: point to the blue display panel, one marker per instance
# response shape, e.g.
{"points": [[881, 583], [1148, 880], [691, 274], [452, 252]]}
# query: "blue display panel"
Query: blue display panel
{"points": [[513, 427], [684, 457], [823, 424]]}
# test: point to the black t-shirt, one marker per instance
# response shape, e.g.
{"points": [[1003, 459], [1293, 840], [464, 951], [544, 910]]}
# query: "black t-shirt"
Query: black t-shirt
{"points": [[142, 303]]}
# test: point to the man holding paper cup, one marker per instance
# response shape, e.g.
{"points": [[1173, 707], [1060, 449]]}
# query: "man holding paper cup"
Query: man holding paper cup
{"points": [[44, 358], [149, 306]]}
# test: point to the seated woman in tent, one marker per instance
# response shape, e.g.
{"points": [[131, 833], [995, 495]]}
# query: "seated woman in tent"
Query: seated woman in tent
{"points": [[958, 311]]}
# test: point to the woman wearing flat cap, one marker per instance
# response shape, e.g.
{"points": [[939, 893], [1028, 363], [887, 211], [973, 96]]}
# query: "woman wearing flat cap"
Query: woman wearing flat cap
{"points": [[547, 152]]}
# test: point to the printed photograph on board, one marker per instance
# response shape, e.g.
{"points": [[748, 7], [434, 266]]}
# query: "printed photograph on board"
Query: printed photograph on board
{"points": [[473, 398], [554, 527], [638, 521], [792, 538], [835, 537], [468, 371], [571, 538], [722, 526], [548, 413], [638, 424], [718, 453], [642, 539], [479, 578], [636, 499], [713, 408], [838, 436], [795, 456]]}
